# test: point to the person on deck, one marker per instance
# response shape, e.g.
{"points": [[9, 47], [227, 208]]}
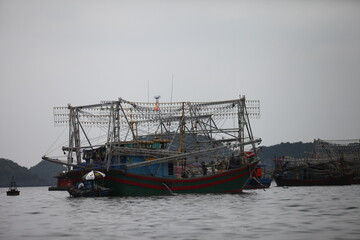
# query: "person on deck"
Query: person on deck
{"points": [[81, 185], [204, 168]]}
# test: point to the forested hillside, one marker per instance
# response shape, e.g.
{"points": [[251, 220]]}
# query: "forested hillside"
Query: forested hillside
{"points": [[39, 175], [22, 175], [46, 171], [297, 149]]}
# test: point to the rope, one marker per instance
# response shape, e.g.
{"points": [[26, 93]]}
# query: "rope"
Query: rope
{"points": [[167, 187], [257, 180], [48, 151]]}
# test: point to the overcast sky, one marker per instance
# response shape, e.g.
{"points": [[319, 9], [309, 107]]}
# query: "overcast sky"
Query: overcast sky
{"points": [[301, 59]]}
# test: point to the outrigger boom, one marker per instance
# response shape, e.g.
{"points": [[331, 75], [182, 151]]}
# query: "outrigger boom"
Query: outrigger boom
{"points": [[174, 157]]}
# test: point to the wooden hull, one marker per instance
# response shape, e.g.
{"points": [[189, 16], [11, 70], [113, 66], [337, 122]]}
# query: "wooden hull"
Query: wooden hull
{"points": [[100, 192], [127, 184], [330, 181]]}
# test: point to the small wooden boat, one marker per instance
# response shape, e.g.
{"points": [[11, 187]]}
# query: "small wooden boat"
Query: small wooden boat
{"points": [[260, 179], [90, 192], [13, 191]]}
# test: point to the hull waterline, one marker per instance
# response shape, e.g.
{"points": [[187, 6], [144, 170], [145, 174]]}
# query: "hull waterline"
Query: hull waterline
{"points": [[127, 184]]}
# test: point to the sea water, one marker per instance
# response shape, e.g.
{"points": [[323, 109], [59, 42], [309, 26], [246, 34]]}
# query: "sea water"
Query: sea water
{"points": [[277, 213]]}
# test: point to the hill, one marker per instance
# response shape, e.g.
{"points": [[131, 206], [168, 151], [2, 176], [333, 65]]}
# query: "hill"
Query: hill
{"points": [[297, 149], [46, 171], [22, 175], [39, 175]]}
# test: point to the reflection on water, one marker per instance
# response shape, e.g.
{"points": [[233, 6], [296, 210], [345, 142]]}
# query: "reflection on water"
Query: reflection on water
{"points": [[277, 213]]}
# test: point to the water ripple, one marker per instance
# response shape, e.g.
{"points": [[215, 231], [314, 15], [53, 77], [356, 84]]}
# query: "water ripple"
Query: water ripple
{"points": [[277, 213]]}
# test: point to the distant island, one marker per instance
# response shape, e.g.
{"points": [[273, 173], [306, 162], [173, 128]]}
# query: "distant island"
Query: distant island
{"points": [[297, 150], [43, 173]]}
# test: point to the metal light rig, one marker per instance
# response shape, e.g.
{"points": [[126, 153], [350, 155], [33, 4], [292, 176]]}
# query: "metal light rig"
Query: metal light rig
{"points": [[123, 120]]}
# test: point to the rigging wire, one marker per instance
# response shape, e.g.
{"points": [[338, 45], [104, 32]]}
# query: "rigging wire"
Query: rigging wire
{"points": [[52, 145]]}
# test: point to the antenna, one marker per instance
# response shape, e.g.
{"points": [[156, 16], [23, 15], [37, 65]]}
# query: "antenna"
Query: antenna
{"points": [[172, 83], [148, 90]]}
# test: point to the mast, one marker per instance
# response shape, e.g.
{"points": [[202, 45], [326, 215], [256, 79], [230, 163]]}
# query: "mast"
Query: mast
{"points": [[181, 136], [182, 126], [241, 123], [74, 135], [114, 123], [113, 131]]}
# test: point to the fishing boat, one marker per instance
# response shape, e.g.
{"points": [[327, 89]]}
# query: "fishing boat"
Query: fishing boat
{"points": [[328, 165], [310, 174], [89, 187], [318, 181], [62, 183], [159, 148], [347, 151], [13, 191], [261, 178]]}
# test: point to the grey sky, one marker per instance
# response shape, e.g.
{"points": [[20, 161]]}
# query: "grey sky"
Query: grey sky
{"points": [[301, 59]]}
